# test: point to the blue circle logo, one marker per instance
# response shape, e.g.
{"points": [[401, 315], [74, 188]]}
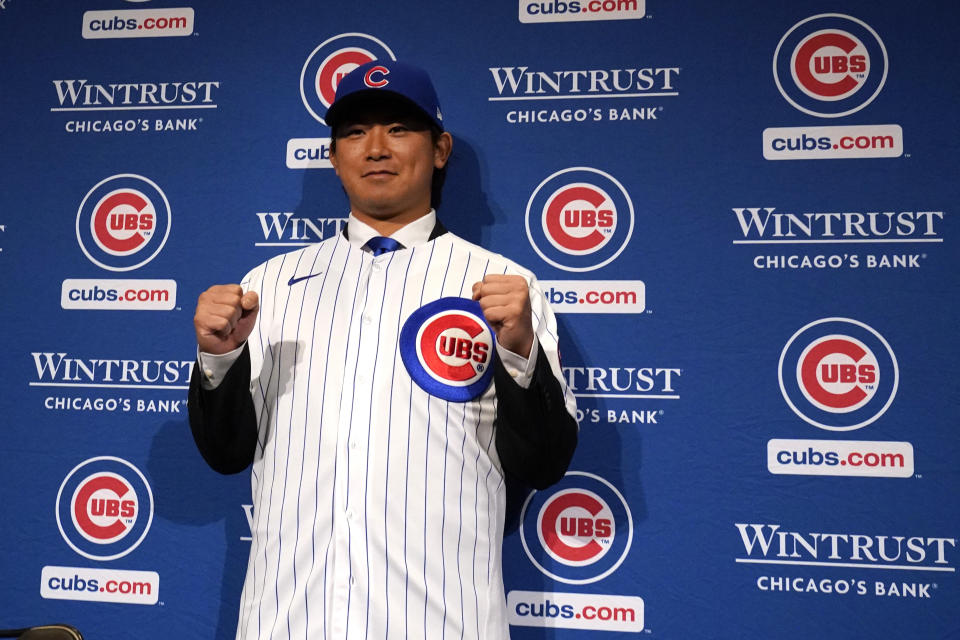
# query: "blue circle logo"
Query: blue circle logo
{"points": [[448, 349], [830, 65], [579, 219], [123, 222], [330, 62], [579, 530], [838, 374], [104, 508]]}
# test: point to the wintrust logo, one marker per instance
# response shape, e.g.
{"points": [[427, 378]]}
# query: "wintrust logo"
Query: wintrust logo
{"points": [[841, 239], [124, 107], [111, 385], [284, 229], [845, 564], [558, 97], [770, 544]]}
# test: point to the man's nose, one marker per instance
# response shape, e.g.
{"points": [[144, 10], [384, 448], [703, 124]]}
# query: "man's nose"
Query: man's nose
{"points": [[377, 142]]}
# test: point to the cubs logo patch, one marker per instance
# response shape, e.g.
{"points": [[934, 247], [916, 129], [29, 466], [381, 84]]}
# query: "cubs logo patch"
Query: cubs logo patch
{"points": [[447, 348]]}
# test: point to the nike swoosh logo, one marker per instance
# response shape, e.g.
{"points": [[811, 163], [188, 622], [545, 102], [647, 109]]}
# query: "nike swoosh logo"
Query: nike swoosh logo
{"points": [[295, 280]]}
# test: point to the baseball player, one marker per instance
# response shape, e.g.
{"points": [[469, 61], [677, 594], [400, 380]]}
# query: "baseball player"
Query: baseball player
{"points": [[384, 384]]}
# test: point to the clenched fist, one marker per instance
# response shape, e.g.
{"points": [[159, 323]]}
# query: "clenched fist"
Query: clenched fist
{"points": [[505, 301], [224, 318]]}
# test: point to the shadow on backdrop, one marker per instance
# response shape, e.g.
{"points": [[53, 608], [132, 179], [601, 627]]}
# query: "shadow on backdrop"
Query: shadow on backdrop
{"points": [[176, 469]]}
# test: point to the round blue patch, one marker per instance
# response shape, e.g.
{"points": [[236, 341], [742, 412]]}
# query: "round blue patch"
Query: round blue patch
{"points": [[104, 508], [448, 349]]}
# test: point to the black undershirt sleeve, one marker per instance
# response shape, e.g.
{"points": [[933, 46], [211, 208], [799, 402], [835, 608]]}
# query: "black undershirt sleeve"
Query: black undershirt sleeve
{"points": [[535, 435], [223, 420]]}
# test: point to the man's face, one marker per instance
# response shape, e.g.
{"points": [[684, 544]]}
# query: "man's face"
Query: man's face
{"points": [[385, 159]]}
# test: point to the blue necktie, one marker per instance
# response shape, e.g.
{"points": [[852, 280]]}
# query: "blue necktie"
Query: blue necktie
{"points": [[380, 245]]}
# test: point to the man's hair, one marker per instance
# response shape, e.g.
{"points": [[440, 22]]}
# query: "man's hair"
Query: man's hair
{"points": [[419, 122]]}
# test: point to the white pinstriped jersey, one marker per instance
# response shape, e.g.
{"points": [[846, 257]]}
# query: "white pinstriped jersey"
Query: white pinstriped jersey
{"points": [[378, 509]]}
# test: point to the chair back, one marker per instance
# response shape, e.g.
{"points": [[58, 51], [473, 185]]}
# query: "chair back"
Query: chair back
{"points": [[43, 632]]}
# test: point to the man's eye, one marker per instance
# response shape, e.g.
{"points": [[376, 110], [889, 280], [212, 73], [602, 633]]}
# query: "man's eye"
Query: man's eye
{"points": [[352, 133], [399, 128]]}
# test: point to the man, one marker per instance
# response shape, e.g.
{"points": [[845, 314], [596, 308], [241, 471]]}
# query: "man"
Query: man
{"points": [[360, 378]]}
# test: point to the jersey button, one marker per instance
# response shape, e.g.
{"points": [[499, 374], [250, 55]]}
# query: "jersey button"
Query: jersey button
{"points": [[353, 445], [367, 319]]}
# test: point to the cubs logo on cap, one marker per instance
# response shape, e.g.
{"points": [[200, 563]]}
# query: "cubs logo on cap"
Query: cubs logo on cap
{"points": [[447, 348], [410, 83]]}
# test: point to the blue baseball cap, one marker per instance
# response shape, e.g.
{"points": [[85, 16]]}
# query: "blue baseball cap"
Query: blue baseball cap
{"points": [[398, 79]]}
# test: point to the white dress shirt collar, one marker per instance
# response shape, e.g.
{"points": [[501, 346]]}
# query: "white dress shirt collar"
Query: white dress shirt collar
{"points": [[413, 234]]}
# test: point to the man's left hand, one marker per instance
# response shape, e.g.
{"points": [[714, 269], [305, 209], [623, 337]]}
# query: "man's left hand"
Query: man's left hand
{"points": [[505, 301]]}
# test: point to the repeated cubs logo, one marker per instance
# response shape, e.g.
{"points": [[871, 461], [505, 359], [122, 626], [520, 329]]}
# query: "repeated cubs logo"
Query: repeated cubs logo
{"points": [[830, 65], [104, 508], [579, 219], [331, 61], [448, 349], [838, 374], [123, 222], [578, 531]]}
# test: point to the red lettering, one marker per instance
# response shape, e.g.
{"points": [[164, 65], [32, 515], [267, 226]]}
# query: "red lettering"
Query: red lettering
{"points": [[127, 509], [602, 528], [447, 347], [868, 374], [858, 64], [464, 347], [480, 351], [848, 373], [585, 528]]}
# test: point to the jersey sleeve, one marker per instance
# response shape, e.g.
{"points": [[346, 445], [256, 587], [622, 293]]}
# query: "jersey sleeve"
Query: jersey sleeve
{"points": [[536, 427], [224, 420]]}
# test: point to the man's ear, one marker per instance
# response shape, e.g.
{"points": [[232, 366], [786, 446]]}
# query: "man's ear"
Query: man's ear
{"points": [[441, 150], [333, 161]]}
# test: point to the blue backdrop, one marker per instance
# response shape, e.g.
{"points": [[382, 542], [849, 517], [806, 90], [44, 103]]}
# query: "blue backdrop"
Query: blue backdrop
{"points": [[744, 214]]}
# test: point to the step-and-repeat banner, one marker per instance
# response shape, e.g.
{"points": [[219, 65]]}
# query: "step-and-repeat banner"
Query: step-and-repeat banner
{"points": [[745, 217]]}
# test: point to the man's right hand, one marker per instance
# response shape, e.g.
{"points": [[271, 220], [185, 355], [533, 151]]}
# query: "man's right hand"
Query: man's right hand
{"points": [[224, 318]]}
